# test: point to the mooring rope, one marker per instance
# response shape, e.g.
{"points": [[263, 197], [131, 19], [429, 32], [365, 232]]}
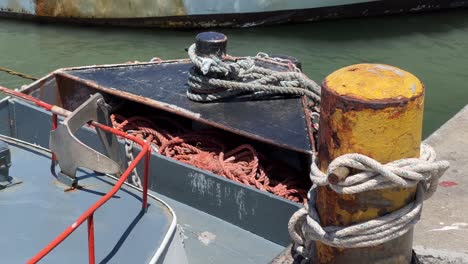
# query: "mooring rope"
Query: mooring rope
{"points": [[304, 226], [206, 150], [214, 79], [19, 74]]}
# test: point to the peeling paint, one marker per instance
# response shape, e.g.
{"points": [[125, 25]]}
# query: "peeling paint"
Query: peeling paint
{"points": [[19, 6], [179, 109], [204, 13], [200, 183], [368, 109], [206, 186], [206, 238], [204, 7], [158, 8], [390, 68], [109, 9], [240, 200], [181, 231], [218, 194]]}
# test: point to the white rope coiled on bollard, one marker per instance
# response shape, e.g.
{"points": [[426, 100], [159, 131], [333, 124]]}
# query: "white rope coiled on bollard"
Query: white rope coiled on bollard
{"points": [[243, 76], [424, 172]]}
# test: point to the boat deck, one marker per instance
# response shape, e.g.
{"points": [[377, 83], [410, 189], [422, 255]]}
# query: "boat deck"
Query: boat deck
{"points": [[210, 240], [37, 210]]}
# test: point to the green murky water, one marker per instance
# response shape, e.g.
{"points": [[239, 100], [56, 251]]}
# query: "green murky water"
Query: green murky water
{"points": [[432, 46]]}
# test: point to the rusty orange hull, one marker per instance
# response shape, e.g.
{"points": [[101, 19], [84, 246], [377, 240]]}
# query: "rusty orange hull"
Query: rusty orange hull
{"points": [[209, 13]]}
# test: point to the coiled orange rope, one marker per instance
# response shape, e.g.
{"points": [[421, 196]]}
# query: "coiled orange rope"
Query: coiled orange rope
{"points": [[205, 150]]}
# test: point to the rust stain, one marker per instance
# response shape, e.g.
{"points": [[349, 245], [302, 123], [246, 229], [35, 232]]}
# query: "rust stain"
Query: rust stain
{"points": [[355, 103], [109, 8], [326, 254], [384, 122], [348, 129], [310, 130], [375, 82]]}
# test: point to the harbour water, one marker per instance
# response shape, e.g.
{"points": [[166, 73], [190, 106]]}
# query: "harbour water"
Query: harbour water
{"points": [[432, 46]]}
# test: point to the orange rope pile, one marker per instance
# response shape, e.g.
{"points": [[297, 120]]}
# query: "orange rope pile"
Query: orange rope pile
{"points": [[205, 150]]}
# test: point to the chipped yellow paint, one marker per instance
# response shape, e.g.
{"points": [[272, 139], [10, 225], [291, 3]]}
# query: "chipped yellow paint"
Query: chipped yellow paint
{"points": [[376, 132], [374, 82], [374, 110], [110, 8]]}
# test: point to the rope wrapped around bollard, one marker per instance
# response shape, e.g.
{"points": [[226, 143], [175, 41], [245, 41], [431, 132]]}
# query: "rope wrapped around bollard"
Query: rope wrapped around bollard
{"points": [[213, 79], [424, 172]]}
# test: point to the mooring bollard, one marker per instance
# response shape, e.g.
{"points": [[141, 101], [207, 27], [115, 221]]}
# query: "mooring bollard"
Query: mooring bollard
{"points": [[375, 110]]}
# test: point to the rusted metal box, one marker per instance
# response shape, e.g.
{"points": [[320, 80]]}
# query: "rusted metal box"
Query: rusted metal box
{"points": [[278, 126]]}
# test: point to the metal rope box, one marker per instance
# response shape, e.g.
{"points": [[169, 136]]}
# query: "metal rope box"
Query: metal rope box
{"points": [[278, 126], [281, 122]]}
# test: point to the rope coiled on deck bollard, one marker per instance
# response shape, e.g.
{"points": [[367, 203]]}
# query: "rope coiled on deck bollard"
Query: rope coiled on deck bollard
{"points": [[214, 79], [304, 226]]}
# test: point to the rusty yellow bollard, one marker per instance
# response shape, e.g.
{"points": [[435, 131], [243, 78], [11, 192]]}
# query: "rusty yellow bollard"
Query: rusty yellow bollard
{"points": [[375, 110]]}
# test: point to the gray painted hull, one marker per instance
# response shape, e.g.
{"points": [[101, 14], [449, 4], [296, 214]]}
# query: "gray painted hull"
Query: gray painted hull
{"points": [[209, 13], [219, 221], [207, 232], [35, 211]]}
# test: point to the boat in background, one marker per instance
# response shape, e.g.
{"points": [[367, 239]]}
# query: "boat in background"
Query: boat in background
{"points": [[209, 13]]}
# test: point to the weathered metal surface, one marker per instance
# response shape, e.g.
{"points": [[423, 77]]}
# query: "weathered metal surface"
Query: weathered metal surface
{"points": [[375, 110], [18, 6], [261, 213], [4, 118], [159, 8], [37, 210], [210, 13], [249, 210], [5, 162], [163, 86], [211, 43], [109, 9], [197, 7]]}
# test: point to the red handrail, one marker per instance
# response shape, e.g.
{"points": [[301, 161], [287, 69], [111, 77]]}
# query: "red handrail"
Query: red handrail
{"points": [[89, 214], [70, 229], [91, 257]]}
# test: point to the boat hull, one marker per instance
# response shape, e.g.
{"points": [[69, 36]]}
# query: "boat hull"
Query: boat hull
{"points": [[210, 13]]}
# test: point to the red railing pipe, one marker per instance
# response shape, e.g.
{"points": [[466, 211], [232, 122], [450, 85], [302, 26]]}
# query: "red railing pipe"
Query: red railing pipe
{"points": [[27, 97], [89, 214], [63, 112], [91, 210], [92, 257], [145, 179]]}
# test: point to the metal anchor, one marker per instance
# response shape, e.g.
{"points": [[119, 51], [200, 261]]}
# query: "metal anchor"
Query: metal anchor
{"points": [[72, 153]]}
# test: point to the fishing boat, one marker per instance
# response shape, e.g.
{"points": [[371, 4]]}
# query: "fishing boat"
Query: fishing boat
{"points": [[63, 174], [209, 13], [131, 163]]}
